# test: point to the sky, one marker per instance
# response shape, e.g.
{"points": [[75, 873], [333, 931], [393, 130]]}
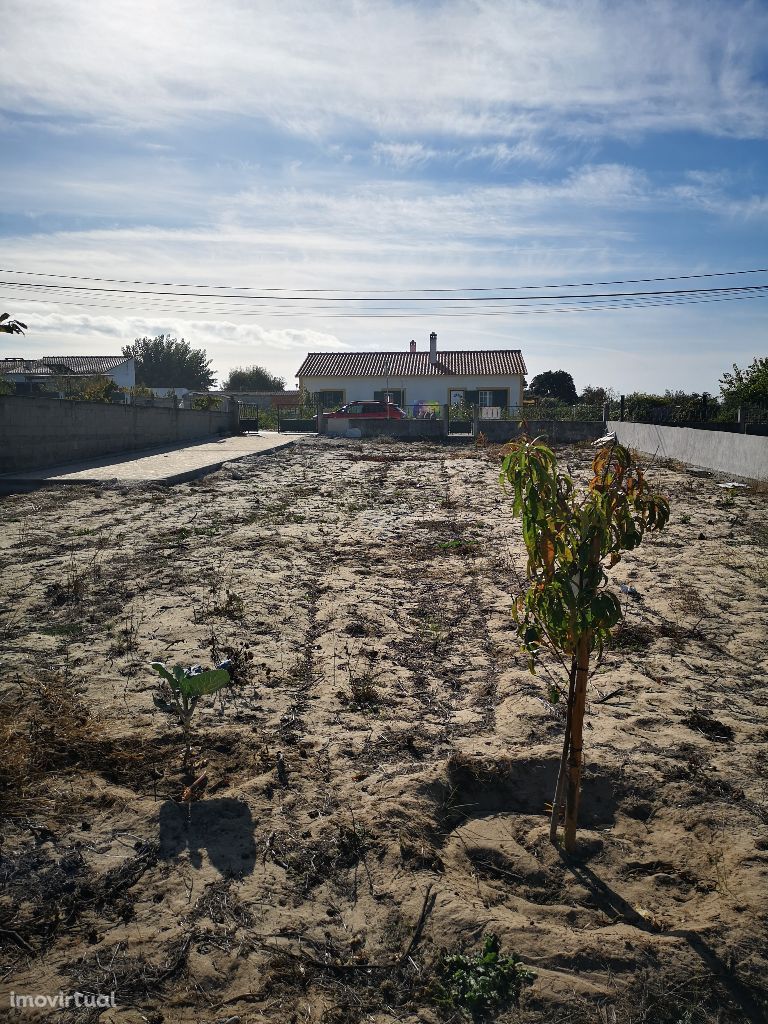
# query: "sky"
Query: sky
{"points": [[299, 174]]}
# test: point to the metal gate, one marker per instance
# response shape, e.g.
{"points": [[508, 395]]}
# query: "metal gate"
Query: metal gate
{"points": [[248, 415]]}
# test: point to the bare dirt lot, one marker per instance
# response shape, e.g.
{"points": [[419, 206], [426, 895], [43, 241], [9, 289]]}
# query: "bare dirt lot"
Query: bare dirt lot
{"points": [[376, 783]]}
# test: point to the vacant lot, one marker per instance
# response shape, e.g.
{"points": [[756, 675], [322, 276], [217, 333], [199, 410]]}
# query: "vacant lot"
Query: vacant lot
{"points": [[376, 784]]}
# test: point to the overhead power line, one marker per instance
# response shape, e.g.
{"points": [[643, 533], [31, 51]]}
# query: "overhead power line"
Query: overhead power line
{"points": [[98, 289], [186, 311], [384, 291], [188, 301]]}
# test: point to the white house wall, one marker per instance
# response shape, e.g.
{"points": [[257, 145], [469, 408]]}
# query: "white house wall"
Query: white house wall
{"points": [[417, 389], [124, 375]]}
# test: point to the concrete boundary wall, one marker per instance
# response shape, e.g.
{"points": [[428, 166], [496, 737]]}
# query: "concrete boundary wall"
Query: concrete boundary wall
{"points": [[556, 431], [496, 431], [37, 432], [737, 455], [403, 430]]}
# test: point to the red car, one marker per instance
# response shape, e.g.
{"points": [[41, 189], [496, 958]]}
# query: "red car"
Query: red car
{"points": [[369, 411]]}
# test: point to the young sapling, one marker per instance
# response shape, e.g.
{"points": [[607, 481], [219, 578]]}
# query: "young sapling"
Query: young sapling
{"points": [[572, 538], [181, 690]]}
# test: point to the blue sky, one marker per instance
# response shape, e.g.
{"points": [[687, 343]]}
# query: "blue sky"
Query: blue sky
{"points": [[390, 146]]}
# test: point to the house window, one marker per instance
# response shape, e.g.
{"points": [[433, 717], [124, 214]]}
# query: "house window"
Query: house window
{"points": [[394, 395], [489, 397], [330, 399]]}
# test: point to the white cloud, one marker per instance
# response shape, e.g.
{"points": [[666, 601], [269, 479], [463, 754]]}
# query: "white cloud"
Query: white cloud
{"points": [[514, 69], [403, 155]]}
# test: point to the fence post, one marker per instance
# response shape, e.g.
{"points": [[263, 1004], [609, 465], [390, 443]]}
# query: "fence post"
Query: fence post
{"points": [[621, 410], [233, 409], [475, 420], [446, 420], [278, 418], [606, 412]]}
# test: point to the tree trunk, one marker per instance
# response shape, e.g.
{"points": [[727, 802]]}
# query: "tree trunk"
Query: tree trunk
{"points": [[560, 786], [573, 783]]}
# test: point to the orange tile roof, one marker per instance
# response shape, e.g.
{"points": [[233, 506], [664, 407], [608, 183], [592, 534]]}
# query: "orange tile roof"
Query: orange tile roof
{"points": [[62, 365], [475, 363]]}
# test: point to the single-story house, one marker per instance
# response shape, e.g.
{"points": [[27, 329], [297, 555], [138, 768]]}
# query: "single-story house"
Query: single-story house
{"points": [[484, 377], [119, 369]]}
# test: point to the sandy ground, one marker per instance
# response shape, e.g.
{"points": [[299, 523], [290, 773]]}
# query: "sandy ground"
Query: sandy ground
{"points": [[376, 783]]}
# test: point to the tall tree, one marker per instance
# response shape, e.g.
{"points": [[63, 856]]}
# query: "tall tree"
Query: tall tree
{"points": [[743, 387], [554, 384], [597, 395], [252, 378], [167, 362]]}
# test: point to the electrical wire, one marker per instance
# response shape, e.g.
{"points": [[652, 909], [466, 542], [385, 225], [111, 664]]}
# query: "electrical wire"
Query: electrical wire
{"points": [[454, 313], [591, 296], [395, 292]]}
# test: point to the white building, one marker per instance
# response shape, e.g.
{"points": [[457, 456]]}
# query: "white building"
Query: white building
{"points": [[119, 369], [493, 377]]}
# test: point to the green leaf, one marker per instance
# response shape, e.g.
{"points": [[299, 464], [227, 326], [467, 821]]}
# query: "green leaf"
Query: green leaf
{"points": [[160, 668], [205, 682]]}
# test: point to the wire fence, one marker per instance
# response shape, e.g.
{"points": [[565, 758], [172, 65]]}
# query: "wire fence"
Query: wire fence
{"points": [[709, 415]]}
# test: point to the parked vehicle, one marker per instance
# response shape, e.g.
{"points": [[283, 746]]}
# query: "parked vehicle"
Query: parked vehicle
{"points": [[369, 411]]}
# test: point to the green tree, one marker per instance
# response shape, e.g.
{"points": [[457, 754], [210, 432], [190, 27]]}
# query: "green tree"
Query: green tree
{"points": [[743, 387], [97, 388], [597, 395], [167, 362], [572, 539], [252, 378], [554, 384]]}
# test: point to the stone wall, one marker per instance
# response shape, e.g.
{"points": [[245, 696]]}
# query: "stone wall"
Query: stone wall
{"points": [[36, 432]]}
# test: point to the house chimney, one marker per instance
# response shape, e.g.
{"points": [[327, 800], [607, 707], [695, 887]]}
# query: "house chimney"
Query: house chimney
{"points": [[433, 348], [413, 346]]}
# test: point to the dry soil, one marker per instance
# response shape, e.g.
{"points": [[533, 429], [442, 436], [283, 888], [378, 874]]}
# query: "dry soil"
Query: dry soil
{"points": [[374, 789]]}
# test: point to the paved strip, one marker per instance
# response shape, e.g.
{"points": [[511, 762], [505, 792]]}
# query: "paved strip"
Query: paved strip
{"points": [[166, 465]]}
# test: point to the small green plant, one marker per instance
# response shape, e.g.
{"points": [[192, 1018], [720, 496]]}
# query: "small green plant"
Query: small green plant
{"points": [[179, 693], [481, 983]]}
